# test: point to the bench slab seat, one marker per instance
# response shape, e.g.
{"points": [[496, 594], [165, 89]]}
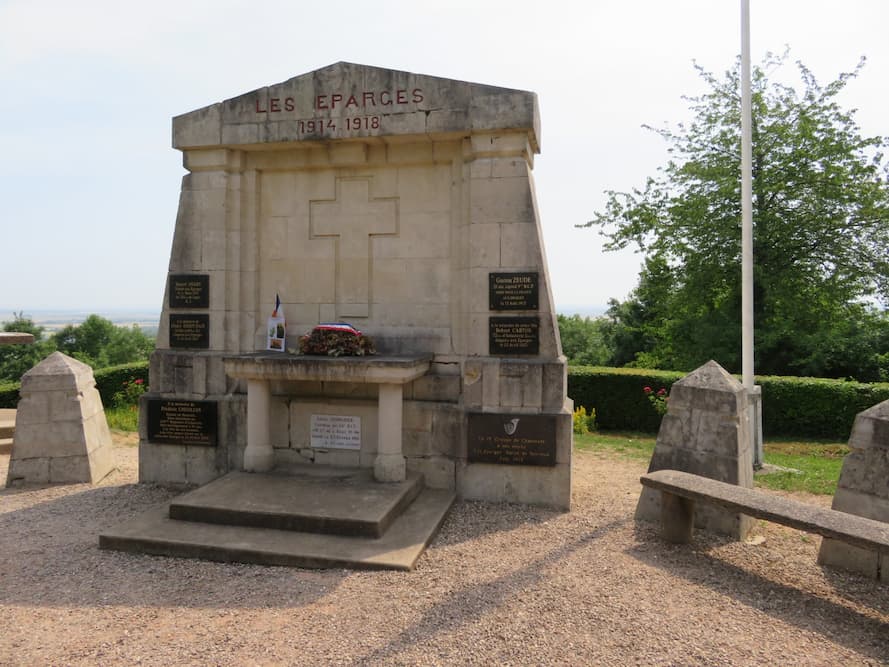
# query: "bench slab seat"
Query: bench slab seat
{"points": [[681, 490]]}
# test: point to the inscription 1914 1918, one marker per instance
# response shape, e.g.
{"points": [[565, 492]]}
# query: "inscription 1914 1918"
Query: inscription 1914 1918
{"points": [[190, 331], [513, 291], [514, 335], [189, 291], [176, 422], [512, 439]]}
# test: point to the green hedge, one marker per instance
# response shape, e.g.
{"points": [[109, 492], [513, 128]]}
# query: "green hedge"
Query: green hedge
{"points": [[617, 396], [792, 406], [108, 381]]}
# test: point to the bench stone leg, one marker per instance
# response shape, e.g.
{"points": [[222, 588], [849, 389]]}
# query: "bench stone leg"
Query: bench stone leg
{"points": [[677, 518]]}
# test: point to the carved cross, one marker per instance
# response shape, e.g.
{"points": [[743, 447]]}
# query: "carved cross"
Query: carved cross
{"points": [[353, 219]]}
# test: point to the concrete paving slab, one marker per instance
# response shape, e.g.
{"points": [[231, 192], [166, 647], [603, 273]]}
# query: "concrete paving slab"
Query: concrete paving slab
{"points": [[155, 533], [315, 499]]}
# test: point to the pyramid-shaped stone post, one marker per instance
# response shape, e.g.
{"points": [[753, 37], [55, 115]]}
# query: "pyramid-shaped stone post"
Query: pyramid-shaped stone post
{"points": [[863, 489], [705, 432], [61, 435]]}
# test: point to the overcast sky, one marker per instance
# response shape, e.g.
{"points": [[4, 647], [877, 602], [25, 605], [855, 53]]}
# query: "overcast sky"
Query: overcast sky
{"points": [[89, 184]]}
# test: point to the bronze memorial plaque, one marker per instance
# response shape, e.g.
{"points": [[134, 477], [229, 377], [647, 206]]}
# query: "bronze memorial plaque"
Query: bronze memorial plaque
{"points": [[175, 422], [190, 331], [513, 335], [528, 440], [189, 290], [513, 291]]}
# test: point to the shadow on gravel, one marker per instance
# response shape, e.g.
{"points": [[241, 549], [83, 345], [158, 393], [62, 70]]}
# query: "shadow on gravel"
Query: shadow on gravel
{"points": [[468, 605], [853, 629], [51, 560]]}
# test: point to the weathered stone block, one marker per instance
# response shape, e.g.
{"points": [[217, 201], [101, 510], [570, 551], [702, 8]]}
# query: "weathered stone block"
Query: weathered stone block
{"points": [[535, 485], [863, 489], [61, 434], [705, 432]]}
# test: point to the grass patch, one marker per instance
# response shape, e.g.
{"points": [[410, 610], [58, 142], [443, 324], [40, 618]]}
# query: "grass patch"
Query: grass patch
{"points": [[818, 462], [123, 419], [631, 445]]}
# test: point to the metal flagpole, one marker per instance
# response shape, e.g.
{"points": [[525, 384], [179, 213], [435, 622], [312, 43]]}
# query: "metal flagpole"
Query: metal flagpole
{"points": [[747, 240]]}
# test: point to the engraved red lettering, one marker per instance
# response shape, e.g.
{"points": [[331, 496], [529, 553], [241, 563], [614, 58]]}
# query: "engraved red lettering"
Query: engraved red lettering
{"points": [[288, 104], [258, 110], [386, 98], [402, 97], [418, 95], [351, 102], [334, 98], [321, 102], [368, 96], [275, 104]]}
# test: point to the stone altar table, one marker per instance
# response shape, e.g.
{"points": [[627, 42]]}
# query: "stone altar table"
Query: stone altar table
{"points": [[391, 373]]}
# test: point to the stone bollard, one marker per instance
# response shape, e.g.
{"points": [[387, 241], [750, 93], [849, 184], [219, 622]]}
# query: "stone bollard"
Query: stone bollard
{"points": [[61, 435], [705, 432], [863, 489]]}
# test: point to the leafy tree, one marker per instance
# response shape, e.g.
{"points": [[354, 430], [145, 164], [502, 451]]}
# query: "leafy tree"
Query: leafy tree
{"points": [[99, 343], [582, 340], [16, 360], [821, 234]]}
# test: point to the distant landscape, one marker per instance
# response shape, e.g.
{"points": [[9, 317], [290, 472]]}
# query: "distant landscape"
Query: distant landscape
{"points": [[147, 320], [55, 320]]}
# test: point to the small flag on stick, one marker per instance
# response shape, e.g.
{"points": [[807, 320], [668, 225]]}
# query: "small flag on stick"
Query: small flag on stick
{"points": [[277, 327]]}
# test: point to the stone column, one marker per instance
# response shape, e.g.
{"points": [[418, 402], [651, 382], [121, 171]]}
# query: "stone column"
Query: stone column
{"points": [[61, 435], [259, 456], [389, 465], [705, 432], [863, 490]]}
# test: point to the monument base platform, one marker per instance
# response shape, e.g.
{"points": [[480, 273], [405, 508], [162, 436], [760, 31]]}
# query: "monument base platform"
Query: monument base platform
{"points": [[316, 518]]}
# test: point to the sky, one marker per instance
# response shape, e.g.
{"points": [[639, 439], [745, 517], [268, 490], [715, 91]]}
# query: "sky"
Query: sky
{"points": [[89, 183]]}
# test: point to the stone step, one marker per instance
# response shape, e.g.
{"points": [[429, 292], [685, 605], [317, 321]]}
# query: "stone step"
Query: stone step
{"points": [[7, 423], [310, 499], [399, 548], [5, 445]]}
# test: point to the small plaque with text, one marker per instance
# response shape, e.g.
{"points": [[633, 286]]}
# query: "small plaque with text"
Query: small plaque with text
{"points": [[191, 331], [189, 291], [513, 291], [174, 422], [508, 439]]}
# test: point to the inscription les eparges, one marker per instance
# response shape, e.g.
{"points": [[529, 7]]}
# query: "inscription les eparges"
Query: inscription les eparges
{"points": [[367, 99]]}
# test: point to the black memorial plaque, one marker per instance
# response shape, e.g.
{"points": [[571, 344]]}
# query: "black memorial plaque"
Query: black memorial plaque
{"points": [[527, 440], [174, 422], [189, 290], [513, 335], [513, 291], [191, 331]]}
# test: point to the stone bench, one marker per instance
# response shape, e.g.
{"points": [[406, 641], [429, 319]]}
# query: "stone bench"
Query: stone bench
{"points": [[15, 338], [681, 490]]}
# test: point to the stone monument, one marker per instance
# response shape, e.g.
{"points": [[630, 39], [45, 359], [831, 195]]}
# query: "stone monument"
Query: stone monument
{"points": [[705, 432], [61, 435], [404, 205], [863, 489]]}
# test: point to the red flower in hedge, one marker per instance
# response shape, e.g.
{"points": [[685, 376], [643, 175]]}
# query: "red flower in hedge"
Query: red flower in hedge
{"points": [[647, 390]]}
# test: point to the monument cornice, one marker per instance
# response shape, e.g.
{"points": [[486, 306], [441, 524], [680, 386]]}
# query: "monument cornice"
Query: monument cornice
{"points": [[347, 101]]}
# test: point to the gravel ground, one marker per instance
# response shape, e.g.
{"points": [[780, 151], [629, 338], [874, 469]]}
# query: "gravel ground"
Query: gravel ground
{"points": [[502, 584]]}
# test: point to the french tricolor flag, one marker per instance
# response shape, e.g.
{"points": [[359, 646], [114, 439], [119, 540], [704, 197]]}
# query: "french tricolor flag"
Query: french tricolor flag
{"points": [[339, 326]]}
